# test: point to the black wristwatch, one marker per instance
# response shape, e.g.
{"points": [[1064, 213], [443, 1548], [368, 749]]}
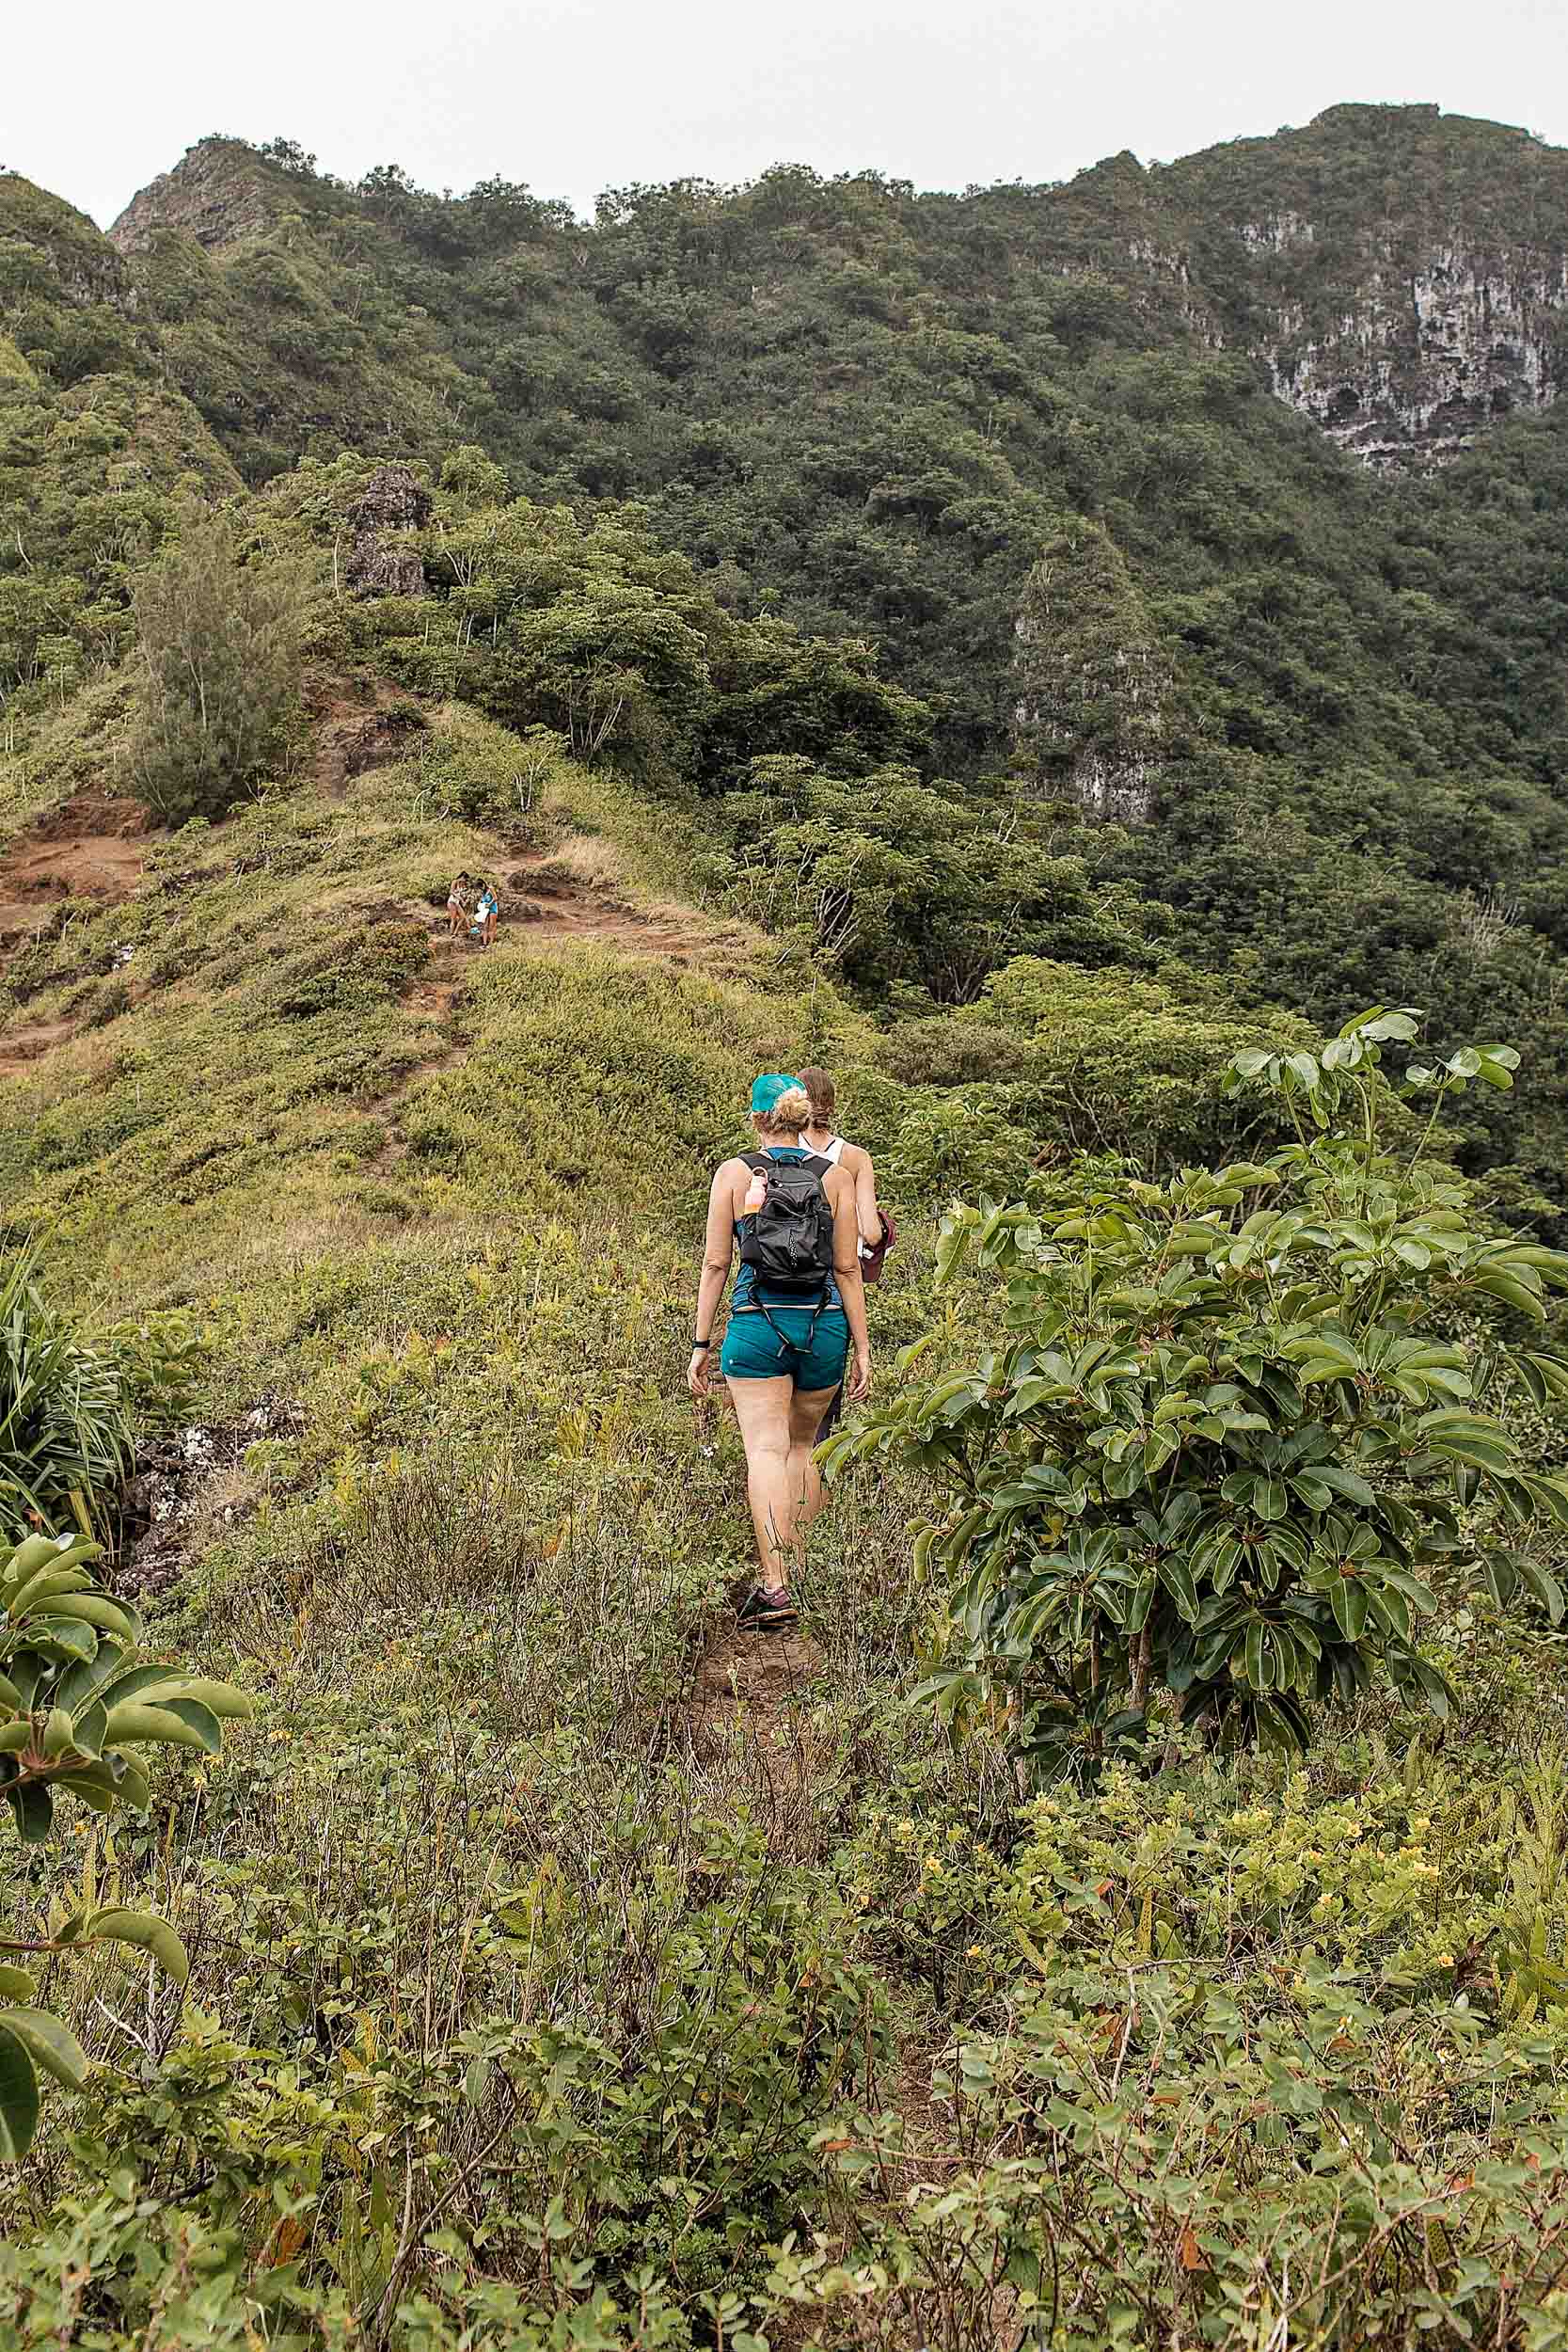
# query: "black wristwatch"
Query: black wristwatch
{"points": [[700, 1347]]}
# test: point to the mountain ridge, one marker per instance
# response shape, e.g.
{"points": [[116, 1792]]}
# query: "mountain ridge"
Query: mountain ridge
{"points": [[1448, 327]]}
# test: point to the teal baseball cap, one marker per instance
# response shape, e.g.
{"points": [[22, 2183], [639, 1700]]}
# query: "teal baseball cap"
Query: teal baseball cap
{"points": [[768, 1088]]}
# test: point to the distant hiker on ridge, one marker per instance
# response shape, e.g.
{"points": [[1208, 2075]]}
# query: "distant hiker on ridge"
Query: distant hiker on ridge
{"points": [[798, 1303], [457, 906], [487, 913]]}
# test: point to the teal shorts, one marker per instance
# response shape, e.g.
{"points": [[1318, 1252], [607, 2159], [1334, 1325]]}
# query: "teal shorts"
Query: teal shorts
{"points": [[753, 1350]]}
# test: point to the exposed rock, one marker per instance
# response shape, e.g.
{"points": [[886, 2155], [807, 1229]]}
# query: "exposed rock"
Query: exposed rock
{"points": [[1278, 235], [393, 500], [169, 1486], [1408, 288], [215, 193], [1426, 359], [1096, 687], [1117, 791], [377, 569], [383, 738]]}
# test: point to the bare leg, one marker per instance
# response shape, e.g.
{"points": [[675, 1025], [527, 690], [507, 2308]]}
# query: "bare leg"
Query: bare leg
{"points": [[763, 1410], [805, 1480]]}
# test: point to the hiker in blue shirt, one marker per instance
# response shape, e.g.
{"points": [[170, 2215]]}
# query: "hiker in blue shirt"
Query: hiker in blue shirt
{"points": [[799, 1306], [483, 927]]}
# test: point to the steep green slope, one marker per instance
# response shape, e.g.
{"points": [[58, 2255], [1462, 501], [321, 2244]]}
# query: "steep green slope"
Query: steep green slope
{"points": [[445, 1205], [873, 403], [96, 448]]}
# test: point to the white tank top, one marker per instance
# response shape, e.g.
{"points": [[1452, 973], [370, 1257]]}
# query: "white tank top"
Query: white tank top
{"points": [[833, 1152]]}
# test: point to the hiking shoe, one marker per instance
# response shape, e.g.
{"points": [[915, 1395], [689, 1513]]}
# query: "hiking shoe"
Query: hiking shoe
{"points": [[761, 1614]]}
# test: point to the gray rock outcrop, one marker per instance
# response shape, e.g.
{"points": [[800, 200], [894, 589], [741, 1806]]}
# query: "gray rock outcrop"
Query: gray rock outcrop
{"points": [[381, 563], [1428, 356], [215, 193]]}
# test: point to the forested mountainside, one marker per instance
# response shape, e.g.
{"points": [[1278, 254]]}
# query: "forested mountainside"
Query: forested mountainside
{"points": [[1212, 512]]}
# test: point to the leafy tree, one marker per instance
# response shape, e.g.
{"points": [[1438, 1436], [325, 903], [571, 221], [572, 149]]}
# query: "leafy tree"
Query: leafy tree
{"points": [[598, 631], [472, 480], [1228, 1435], [218, 655], [1113, 1060], [826, 702], [77, 1704], [890, 880], [289, 155]]}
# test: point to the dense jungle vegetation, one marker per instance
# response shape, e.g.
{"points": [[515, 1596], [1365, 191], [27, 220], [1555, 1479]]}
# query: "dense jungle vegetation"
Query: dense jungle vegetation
{"points": [[1135, 1910]]}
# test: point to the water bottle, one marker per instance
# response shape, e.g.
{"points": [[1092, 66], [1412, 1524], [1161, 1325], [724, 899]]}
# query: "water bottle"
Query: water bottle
{"points": [[756, 1192]]}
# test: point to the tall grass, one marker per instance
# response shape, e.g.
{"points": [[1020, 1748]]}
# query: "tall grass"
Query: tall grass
{"points": [[65, 1426]]}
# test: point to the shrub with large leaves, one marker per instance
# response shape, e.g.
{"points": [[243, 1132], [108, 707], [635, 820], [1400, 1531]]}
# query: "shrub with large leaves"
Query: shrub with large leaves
{"points": [[77, 1704], [1231, 1430]]}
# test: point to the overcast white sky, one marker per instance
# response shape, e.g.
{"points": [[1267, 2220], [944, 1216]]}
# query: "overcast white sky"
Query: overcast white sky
{"points": [[572, 96]]}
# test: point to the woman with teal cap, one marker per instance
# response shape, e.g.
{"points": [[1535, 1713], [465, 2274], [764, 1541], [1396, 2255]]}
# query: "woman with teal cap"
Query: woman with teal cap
{"points": [[798, 1304]]}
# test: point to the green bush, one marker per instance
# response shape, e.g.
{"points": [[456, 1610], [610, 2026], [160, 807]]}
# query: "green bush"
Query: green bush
{"points": [[159, 1356], [218, 642], [961, 1144], [1105, 1061], [76, 1703], [70, 1404], [1229, 1436], [1258, 2143], [889, 880]]}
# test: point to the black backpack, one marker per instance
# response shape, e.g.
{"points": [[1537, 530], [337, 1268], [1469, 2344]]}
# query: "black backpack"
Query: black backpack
{"points": [[788, 1242]]}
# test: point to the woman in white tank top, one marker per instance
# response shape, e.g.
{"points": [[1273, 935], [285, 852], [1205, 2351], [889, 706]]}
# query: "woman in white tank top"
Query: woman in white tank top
{"points": [[819, 1137]]}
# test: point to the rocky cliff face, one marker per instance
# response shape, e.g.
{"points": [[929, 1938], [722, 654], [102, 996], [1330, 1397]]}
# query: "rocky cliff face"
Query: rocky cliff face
{"points": [[381, 563], [1406, 284], [1094, 687], [214, 192], [1427, 356]]}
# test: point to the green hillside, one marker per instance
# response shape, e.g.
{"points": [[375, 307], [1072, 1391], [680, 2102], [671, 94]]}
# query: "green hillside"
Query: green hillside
{"points": [[874, 412], [919, 634]]}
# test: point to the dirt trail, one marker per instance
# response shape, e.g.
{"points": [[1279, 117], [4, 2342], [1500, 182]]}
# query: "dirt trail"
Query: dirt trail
{"points": [[545, 907], [550, 908], [91, 846], [746, 1722], [22, 1046], [96, 847]]}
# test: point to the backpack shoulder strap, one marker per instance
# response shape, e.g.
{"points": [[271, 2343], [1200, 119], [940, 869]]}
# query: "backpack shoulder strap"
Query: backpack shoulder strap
{"points": [[758, 1162], [818, 1164]]}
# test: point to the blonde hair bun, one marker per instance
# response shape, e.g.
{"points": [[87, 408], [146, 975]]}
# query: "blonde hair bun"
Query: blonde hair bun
{"points": [[787, 1116]]}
